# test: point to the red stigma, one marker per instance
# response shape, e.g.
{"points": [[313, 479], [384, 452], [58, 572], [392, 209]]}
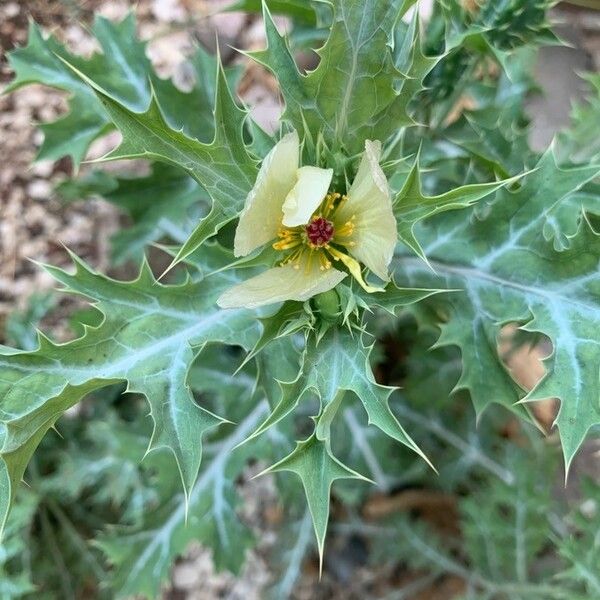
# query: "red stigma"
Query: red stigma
{"points": [[320, 231]]}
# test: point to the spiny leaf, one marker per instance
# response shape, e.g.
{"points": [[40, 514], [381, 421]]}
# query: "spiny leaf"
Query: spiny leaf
{"points": [[340, 99], [482, 350], [146, 339], [563, 220], [499, 144], [143, 556], [224, 167], [289, 318], [193, 112], [125, 73], [507, 32], [38, 62], [510, 273], [394, 297], [165, 203], [411, 206], [317, 468], [580, 142], [337, 363], [410, 59]]}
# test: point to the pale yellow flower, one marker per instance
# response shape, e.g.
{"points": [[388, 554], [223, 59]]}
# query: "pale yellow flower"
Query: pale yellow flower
{"points": [[314, 227]]}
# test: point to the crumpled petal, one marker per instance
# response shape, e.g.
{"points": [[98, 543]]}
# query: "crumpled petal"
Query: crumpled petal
{"points": [[310, 190], [261, 218], [289, 282], [370, 202]]}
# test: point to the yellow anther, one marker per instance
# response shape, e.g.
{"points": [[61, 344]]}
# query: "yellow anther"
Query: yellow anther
{"points": [[286, 244], [303, 250], [324, 262], [347, 229]]}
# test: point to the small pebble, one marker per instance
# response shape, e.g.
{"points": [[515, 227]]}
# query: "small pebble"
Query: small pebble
{"points": [[39, 189]]}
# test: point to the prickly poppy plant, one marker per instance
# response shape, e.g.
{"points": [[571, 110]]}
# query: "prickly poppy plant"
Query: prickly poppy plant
{"points": [[384, 208]]}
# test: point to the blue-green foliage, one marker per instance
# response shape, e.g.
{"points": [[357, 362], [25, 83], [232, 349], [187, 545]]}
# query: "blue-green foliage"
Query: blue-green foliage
{"points": [[315, 400]]}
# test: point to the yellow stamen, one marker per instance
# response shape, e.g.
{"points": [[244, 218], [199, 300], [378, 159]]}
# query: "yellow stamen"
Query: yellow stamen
{"points": [[328, 204], [347, 229], [288, 238], [324, 262], [308, 263], [286, 245], [354, 268], [303, 251], [293, 258]]}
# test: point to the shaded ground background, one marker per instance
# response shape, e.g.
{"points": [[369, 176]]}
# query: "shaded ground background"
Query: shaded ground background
{"points": [[35, 225]]}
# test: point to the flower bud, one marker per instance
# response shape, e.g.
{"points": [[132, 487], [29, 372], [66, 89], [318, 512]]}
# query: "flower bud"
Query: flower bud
{"points": [[328, 305]]}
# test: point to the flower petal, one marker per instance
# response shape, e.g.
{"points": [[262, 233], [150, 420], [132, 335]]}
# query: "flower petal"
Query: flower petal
{"points": [[370, 203], [261, 218], [310, 190], [290, 282]]}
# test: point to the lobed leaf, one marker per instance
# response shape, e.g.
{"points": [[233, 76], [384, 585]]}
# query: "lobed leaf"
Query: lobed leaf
{"points": [[125, 73], [224, 168], [411, 206], [165, 203], [336, 363], [341, 99], [143, 556], [317, 468], [147, 339], [510, 273], [579, 143]]}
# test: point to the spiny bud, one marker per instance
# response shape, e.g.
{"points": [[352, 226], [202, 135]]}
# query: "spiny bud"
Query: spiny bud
{"points": [[514, 23], [328, 306]]}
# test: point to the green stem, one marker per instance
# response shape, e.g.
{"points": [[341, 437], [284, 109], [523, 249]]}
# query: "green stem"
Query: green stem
{"points": [[364, 448], [72, 532], [63, 572]]}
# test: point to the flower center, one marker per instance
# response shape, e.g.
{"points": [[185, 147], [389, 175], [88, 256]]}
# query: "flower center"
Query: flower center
{"points": [[319, 232], [318, 239]]}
